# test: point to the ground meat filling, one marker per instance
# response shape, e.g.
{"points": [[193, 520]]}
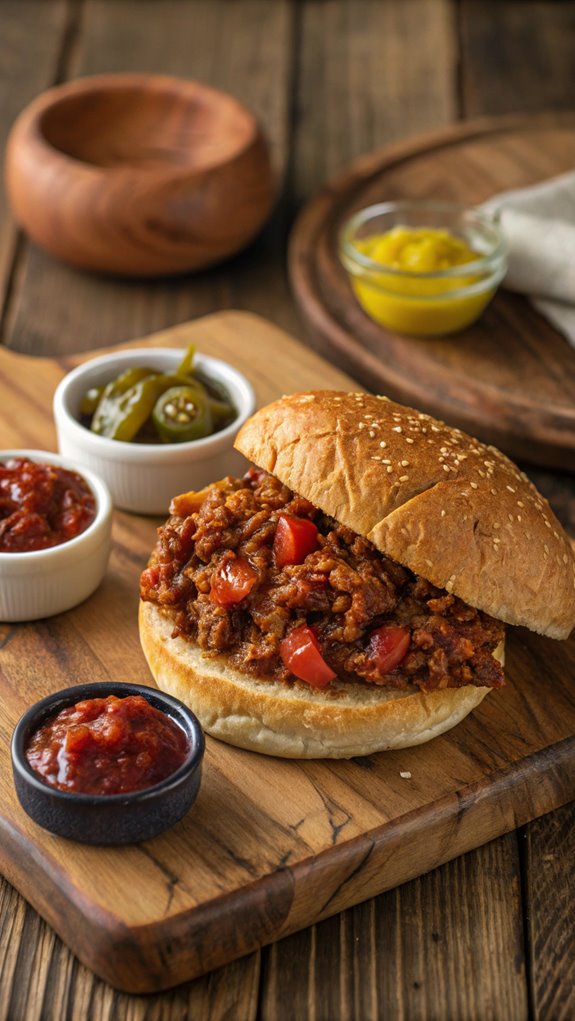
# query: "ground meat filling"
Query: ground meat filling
{"points": [[343, 590]]}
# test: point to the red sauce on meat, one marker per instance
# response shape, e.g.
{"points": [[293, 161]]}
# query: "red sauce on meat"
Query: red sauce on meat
{"points": [[41, 505], [107, 746]]}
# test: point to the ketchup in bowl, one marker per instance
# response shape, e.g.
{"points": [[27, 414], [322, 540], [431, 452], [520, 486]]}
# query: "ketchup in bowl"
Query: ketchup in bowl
{"points": [[41, 505], [107, 762], [107, 746]]}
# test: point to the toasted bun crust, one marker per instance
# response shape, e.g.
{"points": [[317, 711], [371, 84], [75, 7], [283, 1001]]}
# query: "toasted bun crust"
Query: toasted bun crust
{"points": [[296, 722], [451, 509]]}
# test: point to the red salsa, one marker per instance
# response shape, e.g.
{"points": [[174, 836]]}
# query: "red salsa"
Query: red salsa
{"points": [[41, 505], [107, 746]]}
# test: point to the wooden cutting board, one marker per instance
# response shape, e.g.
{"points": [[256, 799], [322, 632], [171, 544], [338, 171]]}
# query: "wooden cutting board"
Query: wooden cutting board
{"points": [[271, 845], [509, 378]]}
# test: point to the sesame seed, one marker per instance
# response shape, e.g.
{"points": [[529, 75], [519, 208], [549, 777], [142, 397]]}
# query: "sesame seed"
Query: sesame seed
{"points": [[443, 513], [473, 485], [382, 443], [389, 469], [510, 488], [565, 558], [409, 440], [403, 478], [520, 503], [404, 464], [445, 467], [396, 429]]}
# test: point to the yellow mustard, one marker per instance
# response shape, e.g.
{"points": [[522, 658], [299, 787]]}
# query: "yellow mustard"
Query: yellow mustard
{"points": [[414, 304]]}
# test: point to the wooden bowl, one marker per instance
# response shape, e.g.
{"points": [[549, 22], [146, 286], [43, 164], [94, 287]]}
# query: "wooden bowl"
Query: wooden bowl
{"points": [[138, 174]]}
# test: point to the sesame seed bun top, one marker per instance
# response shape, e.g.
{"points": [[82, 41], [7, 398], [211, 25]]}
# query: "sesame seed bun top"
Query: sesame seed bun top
{"points": [[451, 509]]}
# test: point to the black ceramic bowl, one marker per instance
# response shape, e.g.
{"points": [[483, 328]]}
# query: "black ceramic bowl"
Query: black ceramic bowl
{"points": [[108, 818]]}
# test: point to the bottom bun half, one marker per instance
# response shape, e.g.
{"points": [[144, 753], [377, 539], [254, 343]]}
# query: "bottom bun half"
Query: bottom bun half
{"points": [[297, 722]]}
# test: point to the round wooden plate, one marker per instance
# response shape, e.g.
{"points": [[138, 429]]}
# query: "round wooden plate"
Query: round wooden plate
{"points": [[509, 378]]}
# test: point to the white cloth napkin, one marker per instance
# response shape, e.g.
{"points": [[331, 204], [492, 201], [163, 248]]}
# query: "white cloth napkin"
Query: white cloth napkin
{"points": [[538, 224]]}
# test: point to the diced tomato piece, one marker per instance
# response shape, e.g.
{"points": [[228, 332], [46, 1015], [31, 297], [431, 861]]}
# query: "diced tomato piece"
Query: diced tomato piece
{"points": [[77, 738], [294, 539], [254, 474], [149, 579], [300, 653], [387, 646], [232, 581]]}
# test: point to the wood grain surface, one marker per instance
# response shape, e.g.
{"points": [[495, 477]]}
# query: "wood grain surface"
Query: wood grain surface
{"points": [[329, 80], [271, 846], [508, 378]]}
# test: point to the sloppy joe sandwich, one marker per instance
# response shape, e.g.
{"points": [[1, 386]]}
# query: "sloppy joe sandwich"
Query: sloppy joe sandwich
{"points": [[350, 593]]}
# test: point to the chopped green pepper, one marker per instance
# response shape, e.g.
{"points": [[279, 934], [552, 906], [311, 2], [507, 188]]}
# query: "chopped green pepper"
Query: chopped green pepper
{"points": [[183, 413]]}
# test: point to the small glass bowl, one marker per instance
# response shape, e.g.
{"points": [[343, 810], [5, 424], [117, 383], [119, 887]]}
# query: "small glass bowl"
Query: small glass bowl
{"points": [[424, 303], [107, 818], [143, 477], [41, 583]]}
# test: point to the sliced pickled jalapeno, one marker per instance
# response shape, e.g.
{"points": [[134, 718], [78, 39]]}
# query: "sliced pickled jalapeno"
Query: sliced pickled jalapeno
{"points": [[142, 405], [90, 400], [182, 413]]}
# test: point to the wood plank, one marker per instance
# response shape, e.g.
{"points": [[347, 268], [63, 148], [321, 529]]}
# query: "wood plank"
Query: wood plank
{"points": [[271, 845], [395, 955], [29, 60], [42, 979], [243, 48], [516, 56], [549, 861], [354, 96]]}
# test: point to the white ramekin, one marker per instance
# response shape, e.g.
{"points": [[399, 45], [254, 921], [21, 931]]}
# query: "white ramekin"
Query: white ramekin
{"points": [[44, 582], [143, 477]]}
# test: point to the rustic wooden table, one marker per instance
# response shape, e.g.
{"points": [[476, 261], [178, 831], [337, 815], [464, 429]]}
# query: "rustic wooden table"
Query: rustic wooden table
{"points": [[488, 936]]}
